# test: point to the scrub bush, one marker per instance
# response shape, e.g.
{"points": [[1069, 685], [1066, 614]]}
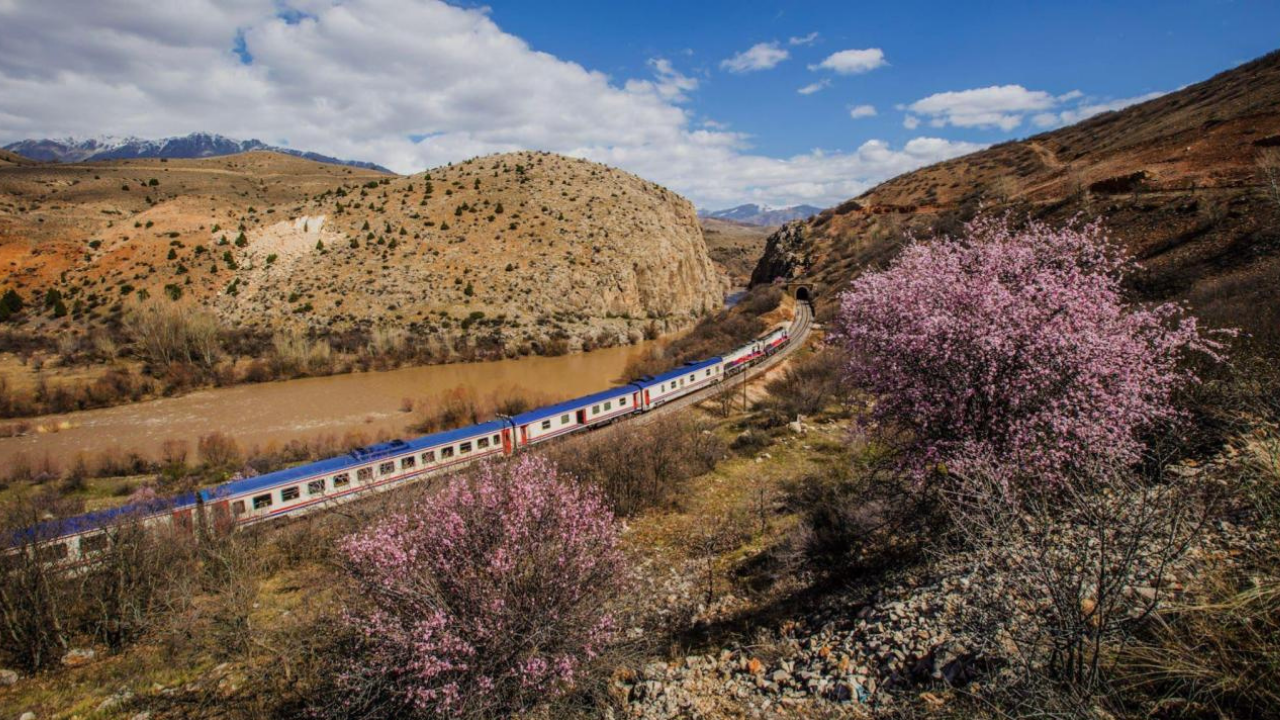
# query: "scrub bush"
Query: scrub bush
{"points": [[485, 598], [1014, 348]]}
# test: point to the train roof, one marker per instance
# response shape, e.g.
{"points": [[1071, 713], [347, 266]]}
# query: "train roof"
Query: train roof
{"points": [[694, 366], [550, 410], [357, 457], [51, 529]]}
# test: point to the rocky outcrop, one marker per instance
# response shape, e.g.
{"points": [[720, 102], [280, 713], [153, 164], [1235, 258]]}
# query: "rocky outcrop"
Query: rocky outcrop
{"points": [[786, 254]]}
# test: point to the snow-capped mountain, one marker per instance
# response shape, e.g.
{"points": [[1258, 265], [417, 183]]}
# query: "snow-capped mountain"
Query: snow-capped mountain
{"points": [[195, 145], [752, 214]]}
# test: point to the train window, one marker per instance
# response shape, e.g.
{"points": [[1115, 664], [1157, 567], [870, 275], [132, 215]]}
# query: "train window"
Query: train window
{"points": [[406, 463], [315, 487], [482, 443], [595, 409], [608, 405], [464, 448], [708, 372], [342, 480], [237, 508], [364, 474], [386, 468], [93, 543], [428, 457], [262, 501], [564, 419], [693, 377], [546, 424], [622, 401], [496, 440], [54, 551], [446, 452], [289, 493]]}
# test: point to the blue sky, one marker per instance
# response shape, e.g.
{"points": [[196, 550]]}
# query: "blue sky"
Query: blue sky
{"points": [[701, 96], [1107, 50]]}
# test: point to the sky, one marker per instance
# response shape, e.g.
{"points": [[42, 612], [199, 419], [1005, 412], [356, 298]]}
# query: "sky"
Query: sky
{"points": [[777, 103]]}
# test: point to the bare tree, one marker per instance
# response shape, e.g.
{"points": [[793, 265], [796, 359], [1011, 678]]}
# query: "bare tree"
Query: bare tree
{"points": [[1073, 570], [1268, 162]]}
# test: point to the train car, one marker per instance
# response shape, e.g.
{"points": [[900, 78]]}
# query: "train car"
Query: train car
{"points": [[297, 490], [775, 339], [741, 358], [74, 541], [553, 421], [667, 386]]}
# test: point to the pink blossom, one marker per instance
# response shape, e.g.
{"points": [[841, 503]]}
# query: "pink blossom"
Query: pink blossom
{"points": [[489, 594], [1015, 346]]}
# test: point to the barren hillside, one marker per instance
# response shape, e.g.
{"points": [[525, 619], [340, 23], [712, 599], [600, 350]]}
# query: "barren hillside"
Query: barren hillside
{"points": [[735, 247], [1181, 180], [519, 247]]}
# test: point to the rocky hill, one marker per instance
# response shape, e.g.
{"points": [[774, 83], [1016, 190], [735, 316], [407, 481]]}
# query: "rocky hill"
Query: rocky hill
{"points": [[1181, 180], [194, 145], [517, 248]]}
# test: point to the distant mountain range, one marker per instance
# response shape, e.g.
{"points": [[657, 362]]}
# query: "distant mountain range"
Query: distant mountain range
{"points": [[752, 214], [195, 145]]}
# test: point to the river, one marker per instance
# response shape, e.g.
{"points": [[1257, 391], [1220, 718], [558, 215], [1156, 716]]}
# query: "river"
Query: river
{"points": [[277, 412]]}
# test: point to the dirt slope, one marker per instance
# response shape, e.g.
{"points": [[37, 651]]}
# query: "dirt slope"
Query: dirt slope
{"points": [[1177, 179]]}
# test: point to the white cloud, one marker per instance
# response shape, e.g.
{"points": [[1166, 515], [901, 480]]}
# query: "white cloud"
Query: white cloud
{"points": [[1001, 106], [809, 39], [862, 111], [670, 84], [911, 122], [812, 88], [360, 78], [852, 62], [1006, 106], [761, 56]]}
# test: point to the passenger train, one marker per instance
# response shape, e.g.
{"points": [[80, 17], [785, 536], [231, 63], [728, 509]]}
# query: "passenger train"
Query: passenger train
{"points": [[298, 490]]}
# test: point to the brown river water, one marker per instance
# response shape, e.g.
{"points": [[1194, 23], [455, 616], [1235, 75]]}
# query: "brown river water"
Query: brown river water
{"points": [[259, 415]]}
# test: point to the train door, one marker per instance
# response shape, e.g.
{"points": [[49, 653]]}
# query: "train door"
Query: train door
{"points": [[646, 398], [222, 521], [183, 521], [582, 416], [524, 434], [506, 441]]}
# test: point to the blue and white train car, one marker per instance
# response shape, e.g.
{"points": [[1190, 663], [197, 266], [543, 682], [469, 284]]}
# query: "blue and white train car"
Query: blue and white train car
{"points": [[562, 418], [297, 490], [658, 389]]}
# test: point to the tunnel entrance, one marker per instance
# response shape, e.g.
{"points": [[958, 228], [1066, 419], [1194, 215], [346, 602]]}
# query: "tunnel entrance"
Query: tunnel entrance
{"points": [[802, 293]]}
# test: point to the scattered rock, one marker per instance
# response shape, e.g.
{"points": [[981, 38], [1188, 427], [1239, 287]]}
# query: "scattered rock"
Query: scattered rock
{"points": [[8, 677], [78, 656]]}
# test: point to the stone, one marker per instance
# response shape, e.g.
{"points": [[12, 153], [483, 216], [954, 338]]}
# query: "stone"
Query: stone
{"points": [[8, 677], [78, 656], [28, 715], [754, 666]]}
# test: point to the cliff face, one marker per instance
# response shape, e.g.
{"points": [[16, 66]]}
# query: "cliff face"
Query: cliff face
{"points": [[1181, 181], [517, 248]]}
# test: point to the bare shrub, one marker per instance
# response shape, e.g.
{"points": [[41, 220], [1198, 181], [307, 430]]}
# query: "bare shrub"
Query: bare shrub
{"points": [[1268, 162], [806, 387], [219, 451], [37, 600], [1075, 571], [165, 334], [644, 466]]}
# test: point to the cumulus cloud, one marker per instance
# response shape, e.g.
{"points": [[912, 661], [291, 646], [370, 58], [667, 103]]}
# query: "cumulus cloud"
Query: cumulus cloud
{"points": [[911, 122], [1006, 106], [407, 84], [862, 111], [812, 88], [852, 62], [761, 56], [1001, 106], [809, 39]]}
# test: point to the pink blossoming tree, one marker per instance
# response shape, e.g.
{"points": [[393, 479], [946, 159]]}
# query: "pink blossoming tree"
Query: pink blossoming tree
{"points": [[487, 596], [1014, 347]]}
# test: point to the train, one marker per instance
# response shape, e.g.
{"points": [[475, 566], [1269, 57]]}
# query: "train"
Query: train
{"points": [[301, 489]]}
